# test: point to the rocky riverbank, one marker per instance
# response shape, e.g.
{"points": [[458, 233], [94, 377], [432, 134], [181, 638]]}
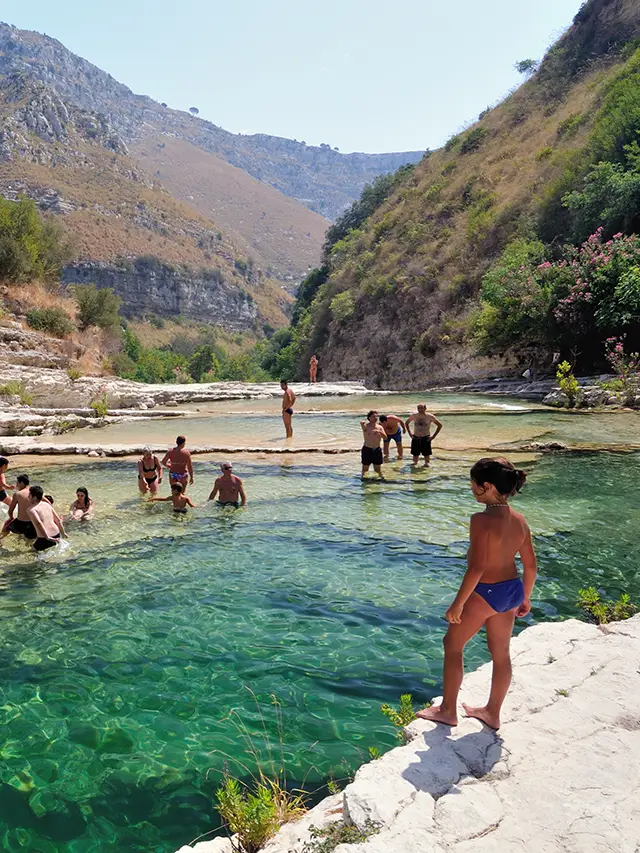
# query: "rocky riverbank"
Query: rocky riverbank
{"points": [[563, 773]]}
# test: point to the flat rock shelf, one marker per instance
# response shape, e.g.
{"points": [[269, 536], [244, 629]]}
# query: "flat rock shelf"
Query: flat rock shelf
{"points": [[563, 773]]}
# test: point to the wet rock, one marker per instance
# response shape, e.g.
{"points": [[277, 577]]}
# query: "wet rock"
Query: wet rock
{"points": [[93, 453]]}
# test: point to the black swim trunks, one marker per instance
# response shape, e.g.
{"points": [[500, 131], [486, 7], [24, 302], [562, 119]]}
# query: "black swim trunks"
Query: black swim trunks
{"points": [[3, 494], [289, 411], [421, 446], [26, 528], [236, 504], [44, 542], [371, 455]]}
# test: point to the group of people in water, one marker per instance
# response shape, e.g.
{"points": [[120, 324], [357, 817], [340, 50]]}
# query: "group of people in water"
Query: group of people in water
{"points": [[378, 431]]}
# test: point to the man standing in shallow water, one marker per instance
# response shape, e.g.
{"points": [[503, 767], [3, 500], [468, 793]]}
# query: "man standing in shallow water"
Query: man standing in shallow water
{"points": [[178, 461], [371, 453], [229, 488], [288, 399], [421, 436]]}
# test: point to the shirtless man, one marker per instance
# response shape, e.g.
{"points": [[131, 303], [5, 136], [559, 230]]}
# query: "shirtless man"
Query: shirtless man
{"points": [[393, 427], [421, 437], [371, 453], [229, 488], [45, 519], [313, 368], [4, 486], [19, 520], [288, 400], [178, 461]]}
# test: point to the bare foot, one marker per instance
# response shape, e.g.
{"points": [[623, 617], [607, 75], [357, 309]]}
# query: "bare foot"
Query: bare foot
{"points": [[435, 715], [482, 714]]}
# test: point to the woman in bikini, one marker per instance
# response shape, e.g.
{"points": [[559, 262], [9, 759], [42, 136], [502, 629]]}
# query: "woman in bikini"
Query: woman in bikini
{"points": [[149, 472], [491, 594], [82, 508]]}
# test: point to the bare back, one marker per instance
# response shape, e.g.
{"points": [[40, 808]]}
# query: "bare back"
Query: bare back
{"points": [[496, 537], [178, 460]]}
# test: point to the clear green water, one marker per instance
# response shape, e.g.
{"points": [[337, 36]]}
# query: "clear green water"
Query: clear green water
{"points": [[123, 657]]}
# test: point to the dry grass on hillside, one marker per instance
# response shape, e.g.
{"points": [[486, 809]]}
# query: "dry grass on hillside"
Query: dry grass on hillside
{"points": [[150, 336], [271, 227]]}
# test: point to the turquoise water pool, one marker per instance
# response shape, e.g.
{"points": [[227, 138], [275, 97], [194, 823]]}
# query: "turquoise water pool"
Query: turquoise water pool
{"points": [[128, 660]]}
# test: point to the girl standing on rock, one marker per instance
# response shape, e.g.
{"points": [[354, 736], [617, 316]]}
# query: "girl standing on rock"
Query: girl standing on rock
{"points": [[149, 472], [491, 594]]}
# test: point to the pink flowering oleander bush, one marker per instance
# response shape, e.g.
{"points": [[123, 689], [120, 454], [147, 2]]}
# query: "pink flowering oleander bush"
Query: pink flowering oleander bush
{"points": [[571, 302], [626, 366]]}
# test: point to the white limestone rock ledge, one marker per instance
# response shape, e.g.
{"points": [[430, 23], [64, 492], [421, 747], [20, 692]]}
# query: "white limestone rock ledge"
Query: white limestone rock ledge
{"points": [[563, 773]]}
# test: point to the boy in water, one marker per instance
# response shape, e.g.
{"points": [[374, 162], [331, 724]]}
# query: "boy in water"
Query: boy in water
{"points": [[178, 461], [229, 488], [4, 497], [20, 506], [394, 427], [371, 453], [491, 594], [47, 522], [177, 497]]}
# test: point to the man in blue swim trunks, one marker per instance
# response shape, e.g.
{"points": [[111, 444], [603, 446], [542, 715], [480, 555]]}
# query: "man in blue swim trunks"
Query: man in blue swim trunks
{"points": [[178, 461], [394, 427]]}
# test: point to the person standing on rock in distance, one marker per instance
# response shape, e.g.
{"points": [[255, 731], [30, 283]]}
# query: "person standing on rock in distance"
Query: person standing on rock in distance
{"points": [[313, 369], [20, 505], [394, 427], [149, 472], [491, 594], [229, 488], [288, 400], [4, 497], [178, 461], [421, 436], [371, 453], [46, 521]]}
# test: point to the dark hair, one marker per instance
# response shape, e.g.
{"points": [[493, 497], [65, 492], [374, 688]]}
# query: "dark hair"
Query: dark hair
{"points": [[3, 461], [83, 491], [23, 478], [500, 473], [382, 418], [372, 412], [36, 492], [177, 487], [49, 498], [180, 439], [283, 382]]}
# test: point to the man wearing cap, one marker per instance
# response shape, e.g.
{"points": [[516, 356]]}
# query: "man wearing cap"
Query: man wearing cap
{"points": [[228, 488]]}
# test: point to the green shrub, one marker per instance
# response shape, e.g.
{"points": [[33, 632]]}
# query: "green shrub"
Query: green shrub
{"points": [[567, 383], [544, 153], [100, 405], [473, 140], [343, 306], [202, 362], [326, 840], [449, 168], [601, 612], [97, 306], [452, 143], [16, 389], [30, 246], [52, 320], [571, 125], [73, 373]]}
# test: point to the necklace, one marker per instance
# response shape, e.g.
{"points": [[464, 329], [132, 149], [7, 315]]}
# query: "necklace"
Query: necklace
{"points": [[492, 505]]}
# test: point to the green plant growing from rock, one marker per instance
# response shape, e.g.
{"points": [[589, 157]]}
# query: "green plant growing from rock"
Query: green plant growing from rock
{"points": [[326, 840], [604, 611], [568, 383], [16, 389], [100, 405], [403, 714], [73, 373], [55, 321]]}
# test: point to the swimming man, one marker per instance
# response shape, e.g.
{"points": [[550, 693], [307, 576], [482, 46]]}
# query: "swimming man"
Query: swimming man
{"points": [[19, 507], [178, 461], [288, 400], [421, 436], [371, 453], [393, 427], [46, 521], [229, 488]]}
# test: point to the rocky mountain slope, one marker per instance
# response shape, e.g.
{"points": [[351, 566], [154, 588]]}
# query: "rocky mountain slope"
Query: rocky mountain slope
{"points": [[399, 294], [319, 177], [75, 164]]}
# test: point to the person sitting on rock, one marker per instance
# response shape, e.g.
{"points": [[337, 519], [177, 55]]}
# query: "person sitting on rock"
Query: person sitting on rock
{"points": [[491, 594]]}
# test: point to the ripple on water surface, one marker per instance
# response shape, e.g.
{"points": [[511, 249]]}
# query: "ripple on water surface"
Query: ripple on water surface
{"points": [[123, 658]]}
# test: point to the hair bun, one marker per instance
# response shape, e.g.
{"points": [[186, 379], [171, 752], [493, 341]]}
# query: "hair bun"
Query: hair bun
{"points": [[521, 479]]}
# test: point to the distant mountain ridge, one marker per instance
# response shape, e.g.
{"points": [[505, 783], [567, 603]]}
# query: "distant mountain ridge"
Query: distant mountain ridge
{"points": [[321, 178]]}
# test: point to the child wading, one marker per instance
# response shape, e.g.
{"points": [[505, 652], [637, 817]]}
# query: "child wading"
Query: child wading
{"points": [[491, 594]]}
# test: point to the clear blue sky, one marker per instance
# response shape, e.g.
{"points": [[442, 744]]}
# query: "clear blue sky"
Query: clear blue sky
{"points": [[363, 75]]}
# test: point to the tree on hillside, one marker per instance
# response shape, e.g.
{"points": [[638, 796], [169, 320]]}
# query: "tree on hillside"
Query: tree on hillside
{"points": [[97, 306], [30, 246], [203, 361], [526, 66], [194, 111]]}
